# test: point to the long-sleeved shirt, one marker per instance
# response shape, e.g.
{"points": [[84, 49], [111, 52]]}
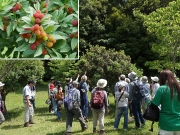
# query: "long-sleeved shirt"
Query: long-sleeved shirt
{"points": [[124, 98]]}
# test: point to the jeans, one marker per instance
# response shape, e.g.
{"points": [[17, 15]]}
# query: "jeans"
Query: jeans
{"points": [[122, 110], [85, 105], [70, 115], [54, 105], [29, 112], [136, 107], [2, 119], [58, 115]]}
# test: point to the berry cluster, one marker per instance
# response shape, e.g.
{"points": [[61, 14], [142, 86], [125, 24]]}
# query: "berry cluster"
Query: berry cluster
{"points": [[16, 7], [5, 23], [74, 24]]}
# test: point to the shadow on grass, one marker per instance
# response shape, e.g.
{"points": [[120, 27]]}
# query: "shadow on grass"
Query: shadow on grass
{"points": [[12, 114], [59, 133], [12, 127]]}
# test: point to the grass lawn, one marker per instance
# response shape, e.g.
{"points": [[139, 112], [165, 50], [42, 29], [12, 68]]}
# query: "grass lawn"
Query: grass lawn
{"points": [[46, 123]]}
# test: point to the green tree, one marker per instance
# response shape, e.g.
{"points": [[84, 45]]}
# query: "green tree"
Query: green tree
{"points": [[102, 63], [16, 73], [164, 24]]}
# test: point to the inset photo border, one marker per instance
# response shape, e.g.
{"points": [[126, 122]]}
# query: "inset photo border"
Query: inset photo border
{"points": [[39, 30]]}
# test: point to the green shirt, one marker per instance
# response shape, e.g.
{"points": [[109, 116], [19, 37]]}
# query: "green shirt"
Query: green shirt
{"points": [[170, 109]]}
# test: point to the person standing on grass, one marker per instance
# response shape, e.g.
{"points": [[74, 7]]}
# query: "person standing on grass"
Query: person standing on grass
{"points": [[168, 96], [59, 99], [75, 110], [84, 88], [155, 85], [146, 87], [2, 119], [121, 97], [29, 111], [99, 105], [50, 94], [136, 103]]}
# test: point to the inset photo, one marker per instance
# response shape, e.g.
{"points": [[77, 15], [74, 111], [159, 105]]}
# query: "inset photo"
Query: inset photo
{"points": [[35, 29]]}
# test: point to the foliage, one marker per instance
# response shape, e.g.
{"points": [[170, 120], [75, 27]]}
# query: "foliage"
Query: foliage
{"points": [[16, 73], [39, 30], [102, 63], [164, 23]]}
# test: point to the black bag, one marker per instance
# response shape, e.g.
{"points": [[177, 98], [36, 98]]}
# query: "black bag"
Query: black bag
{"points": [[152, 113]]}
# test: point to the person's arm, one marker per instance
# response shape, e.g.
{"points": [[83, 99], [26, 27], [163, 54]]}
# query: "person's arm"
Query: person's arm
{"points": [[77, 78], [130, 91], [29, 103], [106, 102]]}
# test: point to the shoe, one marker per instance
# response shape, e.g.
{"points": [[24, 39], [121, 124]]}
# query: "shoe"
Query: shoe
{"points": [[86, 119], [102, 133], [84, 128], [31, 122], [143, 125], [115, 128], [95, 131], [27, 124], [125, 129]]}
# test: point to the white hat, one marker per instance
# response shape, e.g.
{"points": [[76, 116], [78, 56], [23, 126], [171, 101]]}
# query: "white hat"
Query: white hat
{"points": [[101, 83], [127, 80], [75, 83], [132, 76], [155, 78], [121, 84], [1, 84], [144, 79]]}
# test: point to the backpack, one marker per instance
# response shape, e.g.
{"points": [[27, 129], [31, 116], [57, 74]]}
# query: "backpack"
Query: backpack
{"points": [[139, 92], [97, 99], [82, 89], [68, 100]]}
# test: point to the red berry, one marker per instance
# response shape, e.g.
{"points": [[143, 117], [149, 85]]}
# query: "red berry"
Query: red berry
{"points": [[75, 23], [37, 20], [41, 16], [36, 43], [70, 9], [36, 27], [5, 18], [18, 6], [14, 9], [44, 52], [32, 46], [36, 15], [45, 5], [71, 35]]}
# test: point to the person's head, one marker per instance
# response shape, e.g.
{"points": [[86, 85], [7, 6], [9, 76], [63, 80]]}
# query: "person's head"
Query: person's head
{"points": [[30, 83], [52, 80], [132, 76], [1, 85], [75, 84], [167, 77], [84, 78], [122, 77], [101, 83], [58, 84], [144, 79], [127, 80], [121, 86], [155, 79]]}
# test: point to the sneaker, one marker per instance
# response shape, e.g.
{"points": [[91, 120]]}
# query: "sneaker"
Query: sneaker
{"points": [[115, 128], [68, 133], [84, 128], [103, 133], [27, 124], [31, 122]]}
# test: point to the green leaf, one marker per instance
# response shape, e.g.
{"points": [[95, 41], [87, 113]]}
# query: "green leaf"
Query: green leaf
{"points": [[28, 53], [55, 14], [32, 39], [74, 5], [73, 55], [38, 50], [58, 54], [58, 37], [19, 39], [9, 29], [48, 22], [14, 26], [74, 42], [37, 6], [51, 53], [59, 43], [26, 19], [49, 29], [23, 47], [65, 48], [1, 24], [42, 5]]}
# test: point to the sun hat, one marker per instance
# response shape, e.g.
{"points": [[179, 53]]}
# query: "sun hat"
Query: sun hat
{"points": [[144, 79], [121, 84], [1, 84], [155, 79], [132, 76], [52, 78], [101, 83]]}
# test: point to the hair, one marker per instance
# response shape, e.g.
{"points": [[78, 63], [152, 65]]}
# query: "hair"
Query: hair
{"points": [[166, 76]]}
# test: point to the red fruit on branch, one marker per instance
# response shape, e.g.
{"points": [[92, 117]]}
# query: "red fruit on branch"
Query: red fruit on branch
{"points": [[36, 15], [44, 51], [4, 28], [41, 16], [32, 46], [76, 34], [71, 35], [75, 23], [70, 9], [37, 20], [18, 6], [5, 18], [14, 9], [45, 5], [36, 27]]}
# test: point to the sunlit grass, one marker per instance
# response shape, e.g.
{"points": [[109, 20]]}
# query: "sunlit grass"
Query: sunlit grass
{"points": [[46, 123]]}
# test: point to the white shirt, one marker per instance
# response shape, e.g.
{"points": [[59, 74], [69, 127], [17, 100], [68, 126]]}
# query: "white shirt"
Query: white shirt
{"points": [[154, 89], [26, 92]]}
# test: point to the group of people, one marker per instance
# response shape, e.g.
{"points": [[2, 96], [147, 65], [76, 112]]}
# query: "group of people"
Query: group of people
{"points": [[163, 92]]}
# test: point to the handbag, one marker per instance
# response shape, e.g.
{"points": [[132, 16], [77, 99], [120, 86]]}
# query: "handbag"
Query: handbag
{"points": [[152, 114]]}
